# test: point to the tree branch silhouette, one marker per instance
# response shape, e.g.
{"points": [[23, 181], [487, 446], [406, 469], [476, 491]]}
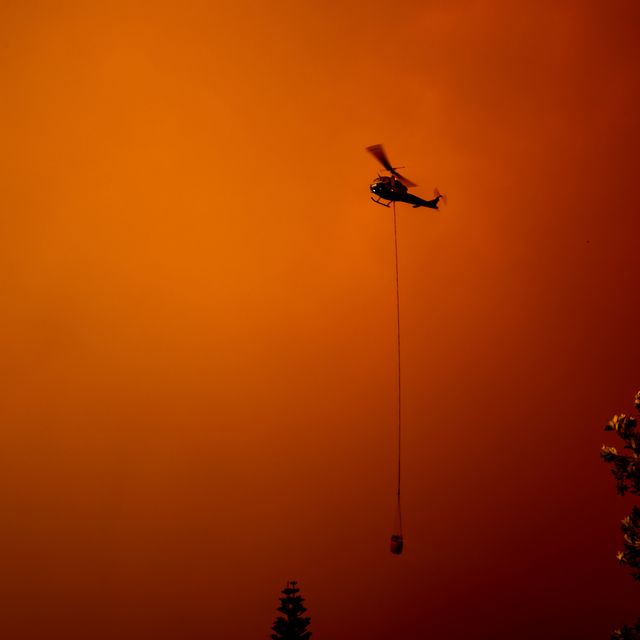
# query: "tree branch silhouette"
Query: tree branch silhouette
{"points": [[625, 468]]}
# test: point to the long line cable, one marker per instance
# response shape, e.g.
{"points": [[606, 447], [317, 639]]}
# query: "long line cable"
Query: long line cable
{"points": [[395, 241]]}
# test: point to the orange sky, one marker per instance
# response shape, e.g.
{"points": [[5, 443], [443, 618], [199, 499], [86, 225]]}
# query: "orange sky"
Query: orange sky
{"points": [[198, 316]]}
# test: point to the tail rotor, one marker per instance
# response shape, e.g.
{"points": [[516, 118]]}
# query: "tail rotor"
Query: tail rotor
{"points": [[440, 196]]}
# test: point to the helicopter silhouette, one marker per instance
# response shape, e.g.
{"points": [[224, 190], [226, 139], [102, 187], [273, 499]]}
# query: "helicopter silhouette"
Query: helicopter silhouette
{"points": [[395, 188]]}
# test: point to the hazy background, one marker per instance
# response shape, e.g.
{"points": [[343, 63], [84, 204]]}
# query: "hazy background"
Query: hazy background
{"points": [[198, 316]]}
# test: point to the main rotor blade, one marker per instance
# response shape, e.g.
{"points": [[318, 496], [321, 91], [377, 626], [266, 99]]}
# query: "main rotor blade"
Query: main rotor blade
{"points": [[405, 181], [377, 151]]}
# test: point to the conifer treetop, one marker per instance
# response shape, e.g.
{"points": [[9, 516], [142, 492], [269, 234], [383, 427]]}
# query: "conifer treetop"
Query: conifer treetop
{"points": [[292, 624]]}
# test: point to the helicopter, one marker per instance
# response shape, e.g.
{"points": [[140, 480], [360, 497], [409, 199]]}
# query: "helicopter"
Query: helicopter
{"points": [[395, 188]]}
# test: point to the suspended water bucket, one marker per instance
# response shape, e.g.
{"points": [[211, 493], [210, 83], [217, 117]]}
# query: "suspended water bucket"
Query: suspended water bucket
{"points": [[397, 544]]}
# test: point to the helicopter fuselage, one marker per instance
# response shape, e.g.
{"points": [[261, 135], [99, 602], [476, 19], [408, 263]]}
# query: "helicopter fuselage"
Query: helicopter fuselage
{"points": [[391, 189]]}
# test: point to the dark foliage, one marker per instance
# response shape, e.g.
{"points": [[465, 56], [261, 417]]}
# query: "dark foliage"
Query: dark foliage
{"points": [[292, 625], [625, 468], [627, 633]]}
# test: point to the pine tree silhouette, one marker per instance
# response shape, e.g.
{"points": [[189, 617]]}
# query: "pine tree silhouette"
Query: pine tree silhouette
{"points": [[292, 625]]}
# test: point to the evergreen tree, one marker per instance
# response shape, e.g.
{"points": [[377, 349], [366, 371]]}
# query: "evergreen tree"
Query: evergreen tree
{"points": [[625, 468], [291, 625]]}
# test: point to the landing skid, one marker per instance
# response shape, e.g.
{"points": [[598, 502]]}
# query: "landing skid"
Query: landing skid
{"points": [[378, 201]]}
